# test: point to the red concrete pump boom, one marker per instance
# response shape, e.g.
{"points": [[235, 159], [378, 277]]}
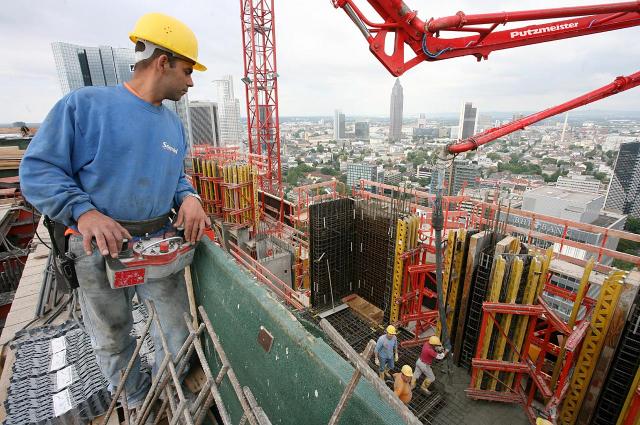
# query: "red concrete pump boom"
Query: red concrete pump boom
{"points": [[424, 39], [618, 85]]}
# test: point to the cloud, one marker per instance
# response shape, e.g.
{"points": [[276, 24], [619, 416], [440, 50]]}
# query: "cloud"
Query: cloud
{"points": [[324, 62]]}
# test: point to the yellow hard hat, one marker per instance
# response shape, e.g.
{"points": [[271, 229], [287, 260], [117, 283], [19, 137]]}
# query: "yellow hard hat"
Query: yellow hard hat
{"points": [[168, 33], [541, 421], [391, 330], [407, 371], [434, 340]]}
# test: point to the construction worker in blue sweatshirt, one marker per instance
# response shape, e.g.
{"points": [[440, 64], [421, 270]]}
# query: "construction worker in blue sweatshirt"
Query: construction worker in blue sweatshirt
{"points": [[107, 157]]}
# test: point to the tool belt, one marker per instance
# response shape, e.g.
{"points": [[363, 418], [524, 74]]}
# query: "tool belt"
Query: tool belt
{"points": [[144, 227]]}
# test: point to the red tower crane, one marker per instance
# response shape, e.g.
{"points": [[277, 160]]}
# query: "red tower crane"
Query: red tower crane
{"points": [[261, 87]]}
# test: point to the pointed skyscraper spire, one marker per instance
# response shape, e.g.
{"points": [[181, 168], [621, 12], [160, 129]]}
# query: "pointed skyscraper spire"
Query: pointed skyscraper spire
{"points": [[395, 118]]}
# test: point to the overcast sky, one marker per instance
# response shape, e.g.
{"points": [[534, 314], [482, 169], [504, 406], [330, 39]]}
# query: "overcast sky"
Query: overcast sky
{"points": [[323, 61]]}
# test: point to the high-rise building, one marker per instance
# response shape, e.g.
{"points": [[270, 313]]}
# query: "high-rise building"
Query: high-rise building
{"points": [[228, 111], [623, 195], [465, 174], [395, 116], [339, 131], [422, 121], [81, 66], [361, 129], [392, 177], [355, 172], [468, 123], [205, 128]]}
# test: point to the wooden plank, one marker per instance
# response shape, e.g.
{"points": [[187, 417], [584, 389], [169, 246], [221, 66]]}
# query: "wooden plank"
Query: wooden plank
{"points": [[364, 309], [607, 354], [477, 243]]}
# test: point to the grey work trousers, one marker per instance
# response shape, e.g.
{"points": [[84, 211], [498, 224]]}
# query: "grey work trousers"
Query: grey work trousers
{"points": [[108, 319], [422, 367]]}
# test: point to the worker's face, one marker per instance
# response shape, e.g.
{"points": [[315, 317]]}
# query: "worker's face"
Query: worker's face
{"points": [[177, 79], [390, 336], [406, 378]]}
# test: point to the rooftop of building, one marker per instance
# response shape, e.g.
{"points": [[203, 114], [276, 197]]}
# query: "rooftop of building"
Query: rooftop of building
{"points": [[561, 193], [607, 218]]}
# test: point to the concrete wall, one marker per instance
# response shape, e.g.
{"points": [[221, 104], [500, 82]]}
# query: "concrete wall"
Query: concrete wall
{"points": [[301, 379]]}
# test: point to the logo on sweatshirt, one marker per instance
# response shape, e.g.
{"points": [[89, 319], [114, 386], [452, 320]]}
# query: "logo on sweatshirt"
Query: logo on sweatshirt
{"points": [[168, 147]]}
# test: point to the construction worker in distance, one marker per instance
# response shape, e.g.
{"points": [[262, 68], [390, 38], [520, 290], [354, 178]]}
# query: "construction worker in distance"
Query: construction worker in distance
{"points": [[386, 352], [402, 384], [432, 349], [108, 162]]}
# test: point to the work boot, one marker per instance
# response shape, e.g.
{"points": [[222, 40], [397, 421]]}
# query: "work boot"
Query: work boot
{"points": [[381, 375], [425, 386], [387, 374], [413, 383]]}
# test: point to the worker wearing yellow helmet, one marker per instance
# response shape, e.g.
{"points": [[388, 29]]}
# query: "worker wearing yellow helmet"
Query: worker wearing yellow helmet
{"points": [[386, 352], [108, 163], [402, 384], [432, 349]]}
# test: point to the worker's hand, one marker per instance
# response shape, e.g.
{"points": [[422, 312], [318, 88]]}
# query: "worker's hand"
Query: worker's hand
{"points": [[377, 361], [396, 357], [192, 217], [107, 232]]}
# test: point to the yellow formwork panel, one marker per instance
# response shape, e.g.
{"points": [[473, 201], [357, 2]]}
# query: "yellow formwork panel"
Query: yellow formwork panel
{"points": [[226, 171], [243, 196], [454, 280], [588, 357], [398, 269], [515, 276], [415, 220], [447, 264], [522, 322], [494, 296], [545, 271]]}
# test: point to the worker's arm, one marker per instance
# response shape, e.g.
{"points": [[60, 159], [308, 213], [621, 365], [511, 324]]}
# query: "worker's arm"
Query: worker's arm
{"points": [[46, 169], [441, 354], [376, 351], [46, 179]]}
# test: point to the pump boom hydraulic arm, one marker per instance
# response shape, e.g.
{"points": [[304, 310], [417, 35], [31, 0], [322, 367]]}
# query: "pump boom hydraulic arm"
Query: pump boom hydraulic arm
{"points": [[618, 85], [424, 38], [425, 41]]}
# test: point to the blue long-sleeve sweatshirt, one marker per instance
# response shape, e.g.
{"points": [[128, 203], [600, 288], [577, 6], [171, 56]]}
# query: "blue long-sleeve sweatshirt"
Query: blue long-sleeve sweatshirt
{"points": [[105, 148]]}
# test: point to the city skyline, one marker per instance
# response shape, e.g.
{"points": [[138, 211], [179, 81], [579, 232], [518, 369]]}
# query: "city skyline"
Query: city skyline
{"points": [[342, 73]]}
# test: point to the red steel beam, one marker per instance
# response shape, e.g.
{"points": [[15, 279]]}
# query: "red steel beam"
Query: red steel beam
{"points": [[577, 336]]}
